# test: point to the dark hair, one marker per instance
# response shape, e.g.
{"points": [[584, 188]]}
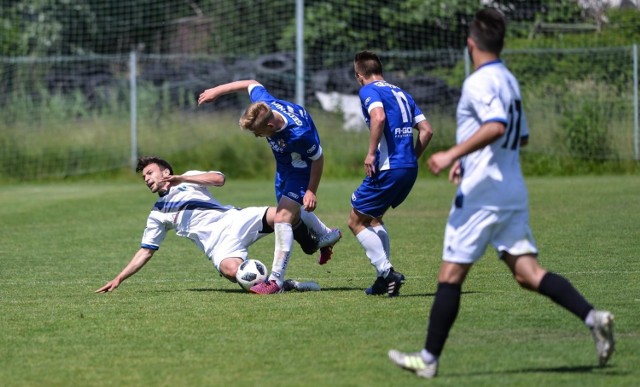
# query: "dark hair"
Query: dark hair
{"points": [[367, 63], [488, 29], [143, 161]]}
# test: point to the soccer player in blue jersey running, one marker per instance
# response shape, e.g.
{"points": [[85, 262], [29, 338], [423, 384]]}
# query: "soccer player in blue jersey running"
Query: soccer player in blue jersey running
{"points": [[491, 203], [295, 143], [391, 165], [185, 205]]}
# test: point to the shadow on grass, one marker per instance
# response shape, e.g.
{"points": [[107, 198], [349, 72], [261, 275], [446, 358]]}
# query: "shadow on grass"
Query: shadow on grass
{"points": [[559, 370], [216, 290], [430, 294], [324, 289]]}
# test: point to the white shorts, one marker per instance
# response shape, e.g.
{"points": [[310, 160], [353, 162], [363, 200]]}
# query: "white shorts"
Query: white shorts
{"points": [[470, 231], [232, 235]]}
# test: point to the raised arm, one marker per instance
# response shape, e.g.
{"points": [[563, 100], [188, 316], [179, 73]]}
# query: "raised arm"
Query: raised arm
{"points": [[212, 94], [137, 262], [216, 179]]}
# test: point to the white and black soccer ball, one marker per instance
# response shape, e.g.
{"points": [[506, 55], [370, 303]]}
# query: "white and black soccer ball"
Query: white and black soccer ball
{"points": [[251, 272]]}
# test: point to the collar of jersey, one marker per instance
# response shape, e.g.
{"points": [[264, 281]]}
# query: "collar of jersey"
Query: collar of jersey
{"points": [[490, 63], [283, 118]]}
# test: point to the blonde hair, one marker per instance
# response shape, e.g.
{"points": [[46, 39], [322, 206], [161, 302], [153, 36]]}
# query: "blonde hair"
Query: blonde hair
{"points": [[256, 117]]}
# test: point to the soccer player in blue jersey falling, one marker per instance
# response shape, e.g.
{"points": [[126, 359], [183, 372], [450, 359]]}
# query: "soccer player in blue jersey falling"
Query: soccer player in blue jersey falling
{"points": [[391, 165], [294, 140], [491, 203]]}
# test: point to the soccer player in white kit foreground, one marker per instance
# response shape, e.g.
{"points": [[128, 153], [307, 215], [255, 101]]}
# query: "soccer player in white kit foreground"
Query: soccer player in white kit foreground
{"points": [[185, 205], [491, 203]]}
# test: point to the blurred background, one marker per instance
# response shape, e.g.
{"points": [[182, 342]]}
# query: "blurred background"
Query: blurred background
{"points": [[87, 85]]}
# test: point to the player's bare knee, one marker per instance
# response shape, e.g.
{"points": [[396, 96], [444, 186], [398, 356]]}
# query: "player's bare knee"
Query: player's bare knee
{"points": [[524, 282], [229, 267]]}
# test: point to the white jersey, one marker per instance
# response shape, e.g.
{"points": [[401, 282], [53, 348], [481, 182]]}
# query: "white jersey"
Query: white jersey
{"points": [[491, 176], [190, 210]]}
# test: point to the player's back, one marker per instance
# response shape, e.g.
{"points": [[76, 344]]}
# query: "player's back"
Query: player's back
{"points": [[492, 177], [396, 149]]}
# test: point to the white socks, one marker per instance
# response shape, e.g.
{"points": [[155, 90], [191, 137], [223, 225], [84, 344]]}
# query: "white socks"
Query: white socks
{"points": [[313, 223], [428, 357], [375, 242], [589, 320], [282, 252]]}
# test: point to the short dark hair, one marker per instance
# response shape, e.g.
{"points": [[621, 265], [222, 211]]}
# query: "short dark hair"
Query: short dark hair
{"points": [[488, 29], [367, 63], [143, 161]]}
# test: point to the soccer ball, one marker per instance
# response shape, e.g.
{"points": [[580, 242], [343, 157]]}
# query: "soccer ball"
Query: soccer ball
{"points": [[251, 272]]}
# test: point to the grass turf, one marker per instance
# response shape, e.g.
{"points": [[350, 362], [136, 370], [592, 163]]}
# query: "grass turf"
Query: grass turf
{"points": [[177, 322]]}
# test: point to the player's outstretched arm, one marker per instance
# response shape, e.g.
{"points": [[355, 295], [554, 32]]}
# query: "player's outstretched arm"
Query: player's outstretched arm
{"points": [[485, 135], [213, 178], [137, 262], [212, 94]]}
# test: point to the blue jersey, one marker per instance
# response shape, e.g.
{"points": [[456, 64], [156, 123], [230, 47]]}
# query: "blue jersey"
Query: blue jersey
{"points": [[396, 148], [295, 145]]}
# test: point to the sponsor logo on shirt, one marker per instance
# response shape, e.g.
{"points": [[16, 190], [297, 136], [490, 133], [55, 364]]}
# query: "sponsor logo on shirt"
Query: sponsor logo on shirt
{"points": [[277, 145], [403, 132], [312, 149], [286, 112]]}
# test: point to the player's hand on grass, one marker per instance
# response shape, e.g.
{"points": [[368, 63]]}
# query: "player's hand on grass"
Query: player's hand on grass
{"points": [[110, 286], [309, 202]]}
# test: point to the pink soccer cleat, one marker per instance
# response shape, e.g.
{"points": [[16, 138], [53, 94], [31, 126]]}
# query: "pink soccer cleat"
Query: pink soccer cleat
{"points": [[268, 287]]}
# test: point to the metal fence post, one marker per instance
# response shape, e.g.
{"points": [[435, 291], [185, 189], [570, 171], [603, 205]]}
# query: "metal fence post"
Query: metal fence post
{"points": [[635, 101], [134, 109], [300, 52]]}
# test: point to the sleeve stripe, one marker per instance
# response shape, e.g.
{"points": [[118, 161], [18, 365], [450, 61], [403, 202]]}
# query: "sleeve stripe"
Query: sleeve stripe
{"points": [[375, 105]]}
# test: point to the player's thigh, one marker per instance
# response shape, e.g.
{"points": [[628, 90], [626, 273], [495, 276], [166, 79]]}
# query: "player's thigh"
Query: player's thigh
{"points": [[386, 189], [242, 229], [467, 234], [513, 234], [293, 188]]}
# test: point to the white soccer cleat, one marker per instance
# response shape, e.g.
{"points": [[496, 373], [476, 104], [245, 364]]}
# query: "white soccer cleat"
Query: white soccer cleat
{"points": [[326, 242], [414, 362], [602, 333], [330, 238], [308, 286]]}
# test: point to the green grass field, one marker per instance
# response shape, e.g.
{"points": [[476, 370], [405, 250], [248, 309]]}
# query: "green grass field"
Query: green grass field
{"points": [[177, 323]]}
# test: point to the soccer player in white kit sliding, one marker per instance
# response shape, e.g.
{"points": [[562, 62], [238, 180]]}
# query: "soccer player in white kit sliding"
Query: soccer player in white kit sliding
{"points": [[491, 204], [185, 205]]}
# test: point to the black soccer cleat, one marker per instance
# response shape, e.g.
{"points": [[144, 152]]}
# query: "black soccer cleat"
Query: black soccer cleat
{"points": [[389, 285], [394, 281]]}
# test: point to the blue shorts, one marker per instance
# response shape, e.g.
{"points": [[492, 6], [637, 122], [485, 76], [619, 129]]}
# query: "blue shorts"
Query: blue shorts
{"points": [[383, 190], [294, 187]]}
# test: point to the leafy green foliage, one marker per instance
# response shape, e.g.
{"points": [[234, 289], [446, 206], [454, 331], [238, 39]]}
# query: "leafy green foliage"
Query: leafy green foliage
{"points": [[586, 131]]}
